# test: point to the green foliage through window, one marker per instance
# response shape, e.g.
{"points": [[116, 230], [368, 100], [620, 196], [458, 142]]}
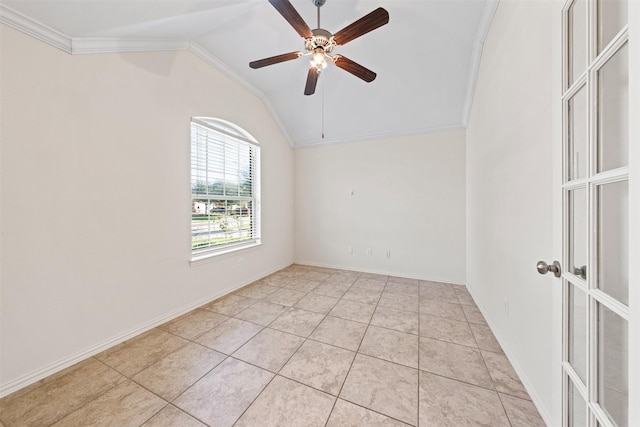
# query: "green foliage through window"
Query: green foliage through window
{"points": [[223, 187]]}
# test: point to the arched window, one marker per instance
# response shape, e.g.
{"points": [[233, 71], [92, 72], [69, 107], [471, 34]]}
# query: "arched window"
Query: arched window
{"points": [[225, 188]]}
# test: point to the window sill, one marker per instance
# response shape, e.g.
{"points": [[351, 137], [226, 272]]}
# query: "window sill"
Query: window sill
{"points": [[205, 258]]}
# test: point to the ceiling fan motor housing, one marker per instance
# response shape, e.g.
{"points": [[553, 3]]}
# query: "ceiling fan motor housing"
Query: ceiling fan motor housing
{"points": [[319, 43], [321, 38]]}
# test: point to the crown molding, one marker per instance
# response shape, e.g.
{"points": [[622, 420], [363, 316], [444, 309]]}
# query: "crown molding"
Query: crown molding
{"points": [[216, 63], [87, 45], [276, 118], [483, 29], [34, 28], [84, 45], [381, 135], [95, 45]]}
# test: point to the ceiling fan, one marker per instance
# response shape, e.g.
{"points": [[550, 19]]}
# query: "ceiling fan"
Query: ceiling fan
{"points": [[319, 43]]}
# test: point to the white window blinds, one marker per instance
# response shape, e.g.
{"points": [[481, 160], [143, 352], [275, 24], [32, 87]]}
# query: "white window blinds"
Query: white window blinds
{"points": [[224, 187]]}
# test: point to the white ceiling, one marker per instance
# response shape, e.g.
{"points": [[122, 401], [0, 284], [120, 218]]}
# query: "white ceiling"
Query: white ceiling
{"points": [[426, 58]]}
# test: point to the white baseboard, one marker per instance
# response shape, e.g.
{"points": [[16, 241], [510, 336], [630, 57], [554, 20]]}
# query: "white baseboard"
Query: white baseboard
{"points": [[379, 271], [50, 369], [546, 417]]}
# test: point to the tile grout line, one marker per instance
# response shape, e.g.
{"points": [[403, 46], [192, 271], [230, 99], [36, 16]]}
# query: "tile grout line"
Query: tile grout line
{"points": [[488, 370], [169, 402], [368, 324], [456, 379], [257, 396], [277, 373], [272, 378], [185, 412], [156, 413], [190, 341], [348, 371], [354, 359], [325, 315], [369, 409], [304, 339], [354, 356], [419, 360], [95, 398]]}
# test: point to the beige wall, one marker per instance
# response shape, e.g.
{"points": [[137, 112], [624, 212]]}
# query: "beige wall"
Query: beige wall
{"points": [[513, 152], [409, 198], [95, 208]]}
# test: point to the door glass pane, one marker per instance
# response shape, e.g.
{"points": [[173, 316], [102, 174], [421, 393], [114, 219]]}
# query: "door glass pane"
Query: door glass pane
{"points": [[613, 389], [577, 135], [613, 112], [612, 16], [578, 232], [613, 240], [578, 331], [577, 40], [577, 408]]}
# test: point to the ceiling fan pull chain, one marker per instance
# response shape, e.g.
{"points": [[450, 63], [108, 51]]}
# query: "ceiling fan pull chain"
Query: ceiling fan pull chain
{"points": [[323, 82]]}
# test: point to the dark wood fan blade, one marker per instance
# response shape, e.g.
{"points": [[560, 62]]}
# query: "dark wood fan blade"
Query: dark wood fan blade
{"points": [[312, 81], [354, 68], [370, 22], [292, 16], [275, 59]]}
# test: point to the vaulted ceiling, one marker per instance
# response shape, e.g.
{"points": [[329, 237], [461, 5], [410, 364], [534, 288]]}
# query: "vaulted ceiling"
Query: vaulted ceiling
{"points": [[426, 58]]}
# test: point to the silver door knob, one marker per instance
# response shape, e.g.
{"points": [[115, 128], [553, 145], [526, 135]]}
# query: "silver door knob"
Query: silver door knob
{"points": [[544, 268], [580, 272]]}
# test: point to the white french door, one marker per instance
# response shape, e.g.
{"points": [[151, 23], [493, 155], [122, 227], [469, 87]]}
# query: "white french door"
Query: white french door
{"points": [[595, 260]]}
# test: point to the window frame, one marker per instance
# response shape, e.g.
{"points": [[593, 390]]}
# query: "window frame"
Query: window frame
{"points": [[227, 132]]}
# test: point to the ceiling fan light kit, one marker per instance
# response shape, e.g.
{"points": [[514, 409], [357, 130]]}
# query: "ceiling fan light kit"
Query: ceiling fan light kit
{"points": [[319, 43]]}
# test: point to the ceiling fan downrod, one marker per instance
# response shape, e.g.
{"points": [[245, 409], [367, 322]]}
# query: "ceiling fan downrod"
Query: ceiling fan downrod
{"points": [[319, 42], [318, 4]]}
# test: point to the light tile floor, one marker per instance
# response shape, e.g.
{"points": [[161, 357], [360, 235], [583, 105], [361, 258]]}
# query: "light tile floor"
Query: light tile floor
{"points": [[305, 347]]}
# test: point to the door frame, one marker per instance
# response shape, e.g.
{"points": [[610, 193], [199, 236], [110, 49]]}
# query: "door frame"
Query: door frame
{"points": [[558, 151], [634, 212]]}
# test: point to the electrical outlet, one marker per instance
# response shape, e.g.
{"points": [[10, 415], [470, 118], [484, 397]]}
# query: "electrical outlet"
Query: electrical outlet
{"points": [[349, 250], [369, 252], [506, 307], [387, 254], [241, 261]]}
